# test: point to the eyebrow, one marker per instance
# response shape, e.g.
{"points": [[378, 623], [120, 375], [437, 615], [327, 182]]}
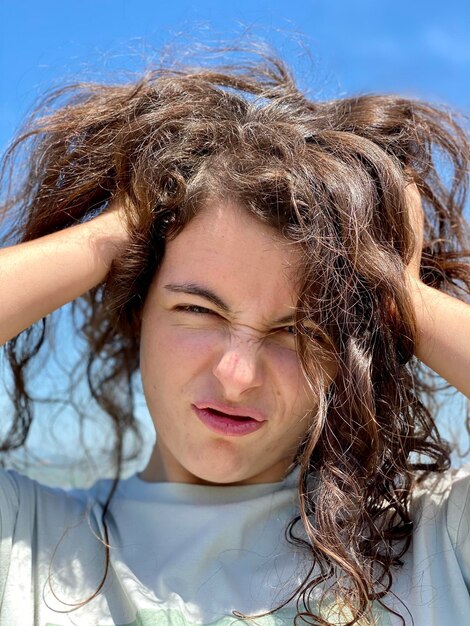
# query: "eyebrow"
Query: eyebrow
{"points": [[198, 290]]}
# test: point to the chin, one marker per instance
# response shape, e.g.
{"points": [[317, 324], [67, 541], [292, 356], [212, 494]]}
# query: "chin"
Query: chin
{"points": [[220, 476], [223, 479]]}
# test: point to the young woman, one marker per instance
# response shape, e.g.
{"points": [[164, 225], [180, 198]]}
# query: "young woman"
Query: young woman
{"points": [[276, 269]]}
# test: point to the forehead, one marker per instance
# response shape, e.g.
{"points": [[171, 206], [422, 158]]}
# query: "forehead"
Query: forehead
{"points": [[229, 251]]}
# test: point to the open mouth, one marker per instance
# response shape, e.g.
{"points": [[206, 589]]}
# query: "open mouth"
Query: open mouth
{"points": [[228, 424], [238, 418]]}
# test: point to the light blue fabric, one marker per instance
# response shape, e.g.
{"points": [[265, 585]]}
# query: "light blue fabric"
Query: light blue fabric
{"points": [[189, 555]]}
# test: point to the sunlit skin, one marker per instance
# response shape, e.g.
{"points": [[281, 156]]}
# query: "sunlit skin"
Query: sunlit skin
{"points": [[239, 351]]}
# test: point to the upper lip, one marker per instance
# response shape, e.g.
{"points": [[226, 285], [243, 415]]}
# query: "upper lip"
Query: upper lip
{"points": [[235, 411]]}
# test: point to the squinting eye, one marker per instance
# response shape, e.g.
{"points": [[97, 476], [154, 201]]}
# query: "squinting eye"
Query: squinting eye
{"points": [[303, 330], [194, 308], [290, 330], [285, 331]]}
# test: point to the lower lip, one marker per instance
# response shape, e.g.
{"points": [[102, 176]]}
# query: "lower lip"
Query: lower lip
{"points": [[226, 425]]}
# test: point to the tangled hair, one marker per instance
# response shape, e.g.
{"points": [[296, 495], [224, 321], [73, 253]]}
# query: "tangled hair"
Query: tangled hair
{"points": [[330, 176]]}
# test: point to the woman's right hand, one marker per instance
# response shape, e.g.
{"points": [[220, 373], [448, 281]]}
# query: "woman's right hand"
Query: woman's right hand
{"points": [[39, 276]]}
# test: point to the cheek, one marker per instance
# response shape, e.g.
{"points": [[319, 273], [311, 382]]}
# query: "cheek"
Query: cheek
{"points": [[289, 383], [286, 364], [175, 348]]}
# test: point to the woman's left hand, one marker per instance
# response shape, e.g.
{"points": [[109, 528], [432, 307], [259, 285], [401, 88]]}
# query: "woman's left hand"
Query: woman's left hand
{"points": [[443, 322]]}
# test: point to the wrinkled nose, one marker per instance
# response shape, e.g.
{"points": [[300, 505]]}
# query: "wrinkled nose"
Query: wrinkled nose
{"points": [[238, 369]]}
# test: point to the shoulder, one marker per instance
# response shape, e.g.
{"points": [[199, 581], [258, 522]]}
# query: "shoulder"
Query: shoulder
{"points": [[441, 511], [449, 490], [46, 533], [23, 498]]}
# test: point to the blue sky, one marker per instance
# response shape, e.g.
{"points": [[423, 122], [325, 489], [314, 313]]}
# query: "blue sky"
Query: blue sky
{"points": [[337, 48], [414, 47]]}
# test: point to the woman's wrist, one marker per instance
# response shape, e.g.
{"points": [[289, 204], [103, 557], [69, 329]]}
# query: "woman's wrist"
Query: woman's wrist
{"points": [[107, 234]]}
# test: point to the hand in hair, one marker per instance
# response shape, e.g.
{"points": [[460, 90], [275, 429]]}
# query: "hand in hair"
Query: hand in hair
{"points": [[443, 322], [43, 274]]}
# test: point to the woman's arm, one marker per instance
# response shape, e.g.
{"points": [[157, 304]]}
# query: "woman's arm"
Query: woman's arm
{"points": [[443, 322], [443, 341], [40, 276]]}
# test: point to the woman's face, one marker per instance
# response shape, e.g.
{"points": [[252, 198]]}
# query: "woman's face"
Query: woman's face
{"points": [[220, 371]]}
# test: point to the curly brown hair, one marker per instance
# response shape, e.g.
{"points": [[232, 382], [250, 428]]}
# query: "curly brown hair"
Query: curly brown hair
{"points": [[330, 176]]}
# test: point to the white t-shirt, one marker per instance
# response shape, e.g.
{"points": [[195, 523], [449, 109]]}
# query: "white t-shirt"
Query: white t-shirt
{"points": [[186, 555]]}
